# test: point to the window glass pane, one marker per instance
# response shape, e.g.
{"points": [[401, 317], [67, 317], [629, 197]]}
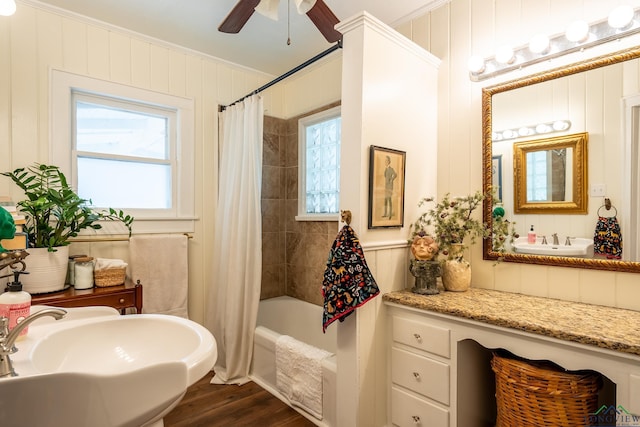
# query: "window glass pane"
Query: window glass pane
{"points": [[117, 184], [537, 185], [323, 166], [111, 130]]}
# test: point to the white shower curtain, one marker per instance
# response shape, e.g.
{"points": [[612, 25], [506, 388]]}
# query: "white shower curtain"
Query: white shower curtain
{"points": [[237, 257]]}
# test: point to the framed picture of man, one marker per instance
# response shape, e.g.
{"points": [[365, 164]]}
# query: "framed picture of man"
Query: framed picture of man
{"points": [[386, 187], [496, 177]]}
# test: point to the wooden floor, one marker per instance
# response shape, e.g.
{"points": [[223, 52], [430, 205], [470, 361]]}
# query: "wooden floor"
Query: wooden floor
{"points": [[208, 404]]}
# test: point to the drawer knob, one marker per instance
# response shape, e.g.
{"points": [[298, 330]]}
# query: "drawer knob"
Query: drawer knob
{"points": [[416, 375], [416, 419], [417, 337], [121, 300]]}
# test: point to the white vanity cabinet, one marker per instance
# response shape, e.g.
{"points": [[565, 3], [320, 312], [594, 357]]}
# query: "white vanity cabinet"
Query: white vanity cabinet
{"points": [[439, 364], [420, 372]]}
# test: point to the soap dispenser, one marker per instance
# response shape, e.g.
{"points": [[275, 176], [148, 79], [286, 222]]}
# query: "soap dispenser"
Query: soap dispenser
{"points": [[531, 236], [15, 304]]}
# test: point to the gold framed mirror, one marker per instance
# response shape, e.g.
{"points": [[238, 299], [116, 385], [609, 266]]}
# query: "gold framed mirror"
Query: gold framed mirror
{"points": [[606, 74], [550, 175]]}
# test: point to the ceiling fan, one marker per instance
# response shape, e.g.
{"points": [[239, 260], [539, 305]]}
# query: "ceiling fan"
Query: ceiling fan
{"points": [[316, 10]]}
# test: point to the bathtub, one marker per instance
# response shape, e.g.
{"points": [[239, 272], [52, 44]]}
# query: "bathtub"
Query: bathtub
{"points": [[302, 321]]}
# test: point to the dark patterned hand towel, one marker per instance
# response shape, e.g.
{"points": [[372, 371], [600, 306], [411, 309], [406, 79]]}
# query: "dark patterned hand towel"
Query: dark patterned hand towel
{"points": [[347, 283], [607, 239]]}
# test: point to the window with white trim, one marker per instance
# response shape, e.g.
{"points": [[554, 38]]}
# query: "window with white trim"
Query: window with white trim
{"points": [[126, 148], [319, 137]]}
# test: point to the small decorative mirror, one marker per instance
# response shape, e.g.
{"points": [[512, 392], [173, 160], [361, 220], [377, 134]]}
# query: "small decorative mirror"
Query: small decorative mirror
{"points": [[550, 175]]}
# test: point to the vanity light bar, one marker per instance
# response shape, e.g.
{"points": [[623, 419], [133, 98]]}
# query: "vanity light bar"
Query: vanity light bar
{"points": [[622, 22], [524, 131]]}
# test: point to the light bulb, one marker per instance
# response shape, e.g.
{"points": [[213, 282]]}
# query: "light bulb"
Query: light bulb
{"points": [[525, 131], [7, 7], [476, 64], [509, 134], [504, 55], [543, 128], [577, 31], [559, 125], [539, 44], [621, 16]]}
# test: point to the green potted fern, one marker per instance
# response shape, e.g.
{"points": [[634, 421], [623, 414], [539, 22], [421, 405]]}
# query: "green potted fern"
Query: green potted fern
{"points": [[54, 214]]}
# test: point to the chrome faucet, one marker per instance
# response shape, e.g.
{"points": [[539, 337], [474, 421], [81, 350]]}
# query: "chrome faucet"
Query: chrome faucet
{"points": [[544, 240], [568, 241], [555, 239], [7, 339]]}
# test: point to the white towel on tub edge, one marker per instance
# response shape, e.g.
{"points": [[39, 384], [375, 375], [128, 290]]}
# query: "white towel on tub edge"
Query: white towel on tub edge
{"points": [[299, 373], [160, 262]]}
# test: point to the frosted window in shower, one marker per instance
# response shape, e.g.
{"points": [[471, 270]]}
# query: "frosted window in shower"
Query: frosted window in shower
{"points": [[319, 154]]}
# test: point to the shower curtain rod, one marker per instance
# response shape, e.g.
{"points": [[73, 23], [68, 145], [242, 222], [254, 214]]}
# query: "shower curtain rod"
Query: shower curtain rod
{"points": [[319, 56]]}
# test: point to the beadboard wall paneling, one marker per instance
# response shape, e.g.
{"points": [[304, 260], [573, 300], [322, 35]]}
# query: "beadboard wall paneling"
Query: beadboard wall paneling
{"points": [[36, 40]]}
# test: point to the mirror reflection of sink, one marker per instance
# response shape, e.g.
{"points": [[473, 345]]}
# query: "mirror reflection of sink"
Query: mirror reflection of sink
{"points": [[103, 369], [579, 247]]}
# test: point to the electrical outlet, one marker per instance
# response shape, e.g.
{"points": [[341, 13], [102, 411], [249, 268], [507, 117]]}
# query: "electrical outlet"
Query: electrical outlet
{"points": [[598, 190]]}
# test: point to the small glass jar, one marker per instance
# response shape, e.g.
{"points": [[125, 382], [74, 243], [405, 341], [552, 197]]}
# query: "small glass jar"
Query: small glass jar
{"points": [[71, 270], [83, 274]]}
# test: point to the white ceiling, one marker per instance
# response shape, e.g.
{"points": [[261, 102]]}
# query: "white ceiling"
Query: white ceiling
{"points": [[260, 45]]}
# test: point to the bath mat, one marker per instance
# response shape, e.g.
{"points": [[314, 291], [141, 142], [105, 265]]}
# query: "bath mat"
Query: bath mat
{"points": [[299, 373]]}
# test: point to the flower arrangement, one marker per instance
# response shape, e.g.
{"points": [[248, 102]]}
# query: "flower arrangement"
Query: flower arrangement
{"points": [[452, 223]]}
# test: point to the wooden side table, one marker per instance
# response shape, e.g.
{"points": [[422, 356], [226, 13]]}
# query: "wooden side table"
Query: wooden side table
{"points": [[119, 297]]}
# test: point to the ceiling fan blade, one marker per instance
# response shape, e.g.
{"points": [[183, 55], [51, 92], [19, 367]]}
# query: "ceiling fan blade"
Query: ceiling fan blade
{"points": [[238, 16], [325, 20]]}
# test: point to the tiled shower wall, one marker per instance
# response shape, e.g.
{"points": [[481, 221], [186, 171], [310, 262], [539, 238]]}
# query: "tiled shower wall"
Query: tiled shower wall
{"points": [[294, 253]]}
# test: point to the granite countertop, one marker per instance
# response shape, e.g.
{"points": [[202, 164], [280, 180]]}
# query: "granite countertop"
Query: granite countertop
{"points": [[606, 327]]}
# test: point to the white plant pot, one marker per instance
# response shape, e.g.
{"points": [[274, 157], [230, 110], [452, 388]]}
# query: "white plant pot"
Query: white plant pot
{"points": [[456, 273], [47, 270]]}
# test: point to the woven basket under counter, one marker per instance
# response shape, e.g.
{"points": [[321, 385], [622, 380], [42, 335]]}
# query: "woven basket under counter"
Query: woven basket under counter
{"points": [[535, 394], [109, 277]]}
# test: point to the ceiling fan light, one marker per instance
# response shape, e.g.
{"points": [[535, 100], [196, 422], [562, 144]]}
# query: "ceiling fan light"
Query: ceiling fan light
{"points": [[304, 6], [268, 8]]}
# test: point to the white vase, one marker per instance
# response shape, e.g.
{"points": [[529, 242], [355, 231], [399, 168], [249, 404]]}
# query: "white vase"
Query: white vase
{"points": [[47, 270], [456, 273]]}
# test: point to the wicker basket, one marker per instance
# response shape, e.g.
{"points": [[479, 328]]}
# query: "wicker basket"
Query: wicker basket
{"points": [[535, 394], [109, 276]]}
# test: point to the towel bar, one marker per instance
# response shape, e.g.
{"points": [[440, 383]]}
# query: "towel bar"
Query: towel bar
{"points": [[110, 238]]}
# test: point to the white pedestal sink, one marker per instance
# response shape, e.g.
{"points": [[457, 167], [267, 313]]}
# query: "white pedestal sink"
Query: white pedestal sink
{"points": [[97, 368], [579, 247]]}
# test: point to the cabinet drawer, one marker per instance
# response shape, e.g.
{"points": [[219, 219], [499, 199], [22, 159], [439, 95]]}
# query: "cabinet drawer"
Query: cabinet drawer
{"points": [[408, 410], [428, 377], [421, 336]]}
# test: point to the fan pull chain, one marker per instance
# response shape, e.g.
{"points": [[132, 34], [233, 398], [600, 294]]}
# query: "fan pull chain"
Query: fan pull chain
{"points": [[288, 22]]}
